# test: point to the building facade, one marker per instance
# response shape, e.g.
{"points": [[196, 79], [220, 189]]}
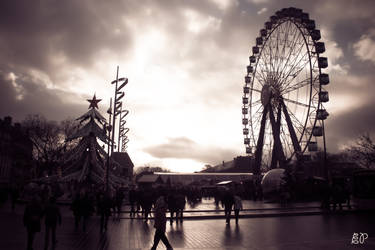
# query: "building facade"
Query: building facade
{"points": [[15, 152]]}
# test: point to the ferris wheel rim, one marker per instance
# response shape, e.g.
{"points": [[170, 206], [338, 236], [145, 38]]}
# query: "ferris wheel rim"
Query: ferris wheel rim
{"points": [[310, 69], [310, 80], [313, 92]]}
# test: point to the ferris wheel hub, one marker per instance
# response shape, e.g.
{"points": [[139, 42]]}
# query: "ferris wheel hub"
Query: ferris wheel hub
{"points": [[270, 92], [266, 94]]}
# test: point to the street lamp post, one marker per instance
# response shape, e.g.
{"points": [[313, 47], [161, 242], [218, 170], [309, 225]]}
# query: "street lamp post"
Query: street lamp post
{"points": [[109, 128]]}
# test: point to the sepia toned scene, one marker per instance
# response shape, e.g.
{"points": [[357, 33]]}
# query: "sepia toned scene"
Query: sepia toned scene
{"points": [[174, 124]]}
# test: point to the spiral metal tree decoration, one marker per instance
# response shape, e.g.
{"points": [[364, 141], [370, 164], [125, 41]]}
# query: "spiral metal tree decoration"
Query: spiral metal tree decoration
{"points": [[123, 131]]}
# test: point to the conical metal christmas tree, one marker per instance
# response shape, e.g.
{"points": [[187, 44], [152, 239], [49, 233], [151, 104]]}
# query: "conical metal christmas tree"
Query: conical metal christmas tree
{"points": [[86, 163]]}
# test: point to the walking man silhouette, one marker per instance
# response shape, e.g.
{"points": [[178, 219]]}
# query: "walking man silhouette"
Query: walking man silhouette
{"points": [[52, 217], [160, 223]]}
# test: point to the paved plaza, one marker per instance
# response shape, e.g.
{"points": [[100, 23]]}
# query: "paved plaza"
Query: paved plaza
{"points": [[310, 231]]}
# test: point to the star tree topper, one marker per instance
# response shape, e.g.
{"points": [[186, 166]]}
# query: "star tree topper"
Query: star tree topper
{"points": [[94, 102]]}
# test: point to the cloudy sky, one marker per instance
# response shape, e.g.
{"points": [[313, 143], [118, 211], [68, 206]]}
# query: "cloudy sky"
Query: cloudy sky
{"points": [[185, 61]]}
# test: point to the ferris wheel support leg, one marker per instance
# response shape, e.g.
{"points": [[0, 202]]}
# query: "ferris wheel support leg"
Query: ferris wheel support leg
{"points": [[258, 152], [274, 150], [276, 137], [327, 173], [296, 146]]}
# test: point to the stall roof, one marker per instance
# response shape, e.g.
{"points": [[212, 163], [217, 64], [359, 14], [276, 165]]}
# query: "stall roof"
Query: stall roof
{"points": [[148, 179], [209, 174], [224, 182]]}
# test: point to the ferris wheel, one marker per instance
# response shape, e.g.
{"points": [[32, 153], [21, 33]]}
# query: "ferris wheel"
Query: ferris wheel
{"points": [[283, 96]]}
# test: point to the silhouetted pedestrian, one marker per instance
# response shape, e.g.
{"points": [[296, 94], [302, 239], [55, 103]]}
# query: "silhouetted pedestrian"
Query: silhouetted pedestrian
{"points": [[52, 217], [160, 223], [217, 197], [104, 207], [348, 192], [147, 200], [31, 220], [180, 204], [325, 193], [172, 207], [119, 198], [338, 195], [138, 198], [237, 207], [86, 209], [76, 208], [141, 200], [132, 201], [228, 202], [14, 193]]}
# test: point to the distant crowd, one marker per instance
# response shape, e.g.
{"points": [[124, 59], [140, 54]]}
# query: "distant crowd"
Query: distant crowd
{"points": [[87, 201]]}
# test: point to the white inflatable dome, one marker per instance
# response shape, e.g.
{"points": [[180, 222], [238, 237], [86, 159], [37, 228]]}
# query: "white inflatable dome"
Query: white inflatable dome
{"points": [[272, 179]]}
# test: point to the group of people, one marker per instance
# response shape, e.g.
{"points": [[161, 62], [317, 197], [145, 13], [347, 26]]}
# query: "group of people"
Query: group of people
{"points": [[231, 201], [87, 202], [34, 212], [84, 204], [142, 201], [336, 193]]}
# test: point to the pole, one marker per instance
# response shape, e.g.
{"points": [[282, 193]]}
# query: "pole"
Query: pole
{"points": [[326, 171], [119, 127], [109, 140]]}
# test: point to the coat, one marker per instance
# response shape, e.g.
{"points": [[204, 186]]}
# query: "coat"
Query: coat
{"points": [[32, 216], [228, 200], [237, 203], [159, 214], [52, 215]]}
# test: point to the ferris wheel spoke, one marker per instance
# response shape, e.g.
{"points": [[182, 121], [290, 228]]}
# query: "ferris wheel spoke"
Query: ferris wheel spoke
{"points": [[296, 102], [294, 70], [296, 86], [286, 141], [264, 58], [256, 90], [284, 43], [284, 75], [274, 48], [264, 69], [291, 48], [297, 123], [257, 102], [270, 57], [257, 115], [261, 79], [283, 29]]}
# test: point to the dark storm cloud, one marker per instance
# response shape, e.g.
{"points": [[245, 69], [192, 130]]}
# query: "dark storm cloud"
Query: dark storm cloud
{"points": [[32, 33], [185, 148], [26, 97]]}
